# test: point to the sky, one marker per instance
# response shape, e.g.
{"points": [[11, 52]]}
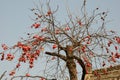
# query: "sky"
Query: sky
{"points": [[15, 15]]}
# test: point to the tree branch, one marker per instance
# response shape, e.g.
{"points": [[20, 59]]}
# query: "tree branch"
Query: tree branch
{"points": [[2, 75], [58, 55]]}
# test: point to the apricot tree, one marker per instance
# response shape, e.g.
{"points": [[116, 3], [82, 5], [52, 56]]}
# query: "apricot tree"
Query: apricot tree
{"points": [[78, 43]]}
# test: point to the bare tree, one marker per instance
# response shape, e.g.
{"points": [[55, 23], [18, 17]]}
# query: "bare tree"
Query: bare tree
{"points": [[83, 40]]}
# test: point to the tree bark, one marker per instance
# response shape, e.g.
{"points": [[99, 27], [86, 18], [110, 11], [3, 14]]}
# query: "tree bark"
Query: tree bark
{"points": [[83, 67], [72, 69], [71, 63]]}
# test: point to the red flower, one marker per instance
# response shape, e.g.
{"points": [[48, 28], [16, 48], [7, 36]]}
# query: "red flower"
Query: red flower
{"points": [[54, 46], [113, 58], [42, 78], [4, 46], [19, 44], [49, 13], [26, 48], [57, 31], [18, 65], [88, 64], [116, 48], [27, 74], [83, 48], [37, 52], [117, 55], [103, 63], [12, 73], [10, 57], [80, 23], [118, 40], [36, 25], [43, 29], [31, 66], [67, 28], [109, 43]]}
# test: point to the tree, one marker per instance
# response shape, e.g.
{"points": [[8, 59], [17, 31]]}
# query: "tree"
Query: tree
{"points": [[65, 46]]}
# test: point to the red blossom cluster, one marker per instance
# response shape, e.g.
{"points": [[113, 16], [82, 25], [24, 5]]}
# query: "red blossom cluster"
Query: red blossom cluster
{"points": [[12, 73], [118, 40], [80, 23], [4, 46], [10, 57], [49, 12], [54, 46], [39, 38], [31, 57], [88, 64], [67, 28], [36, 25], [27, 74]]}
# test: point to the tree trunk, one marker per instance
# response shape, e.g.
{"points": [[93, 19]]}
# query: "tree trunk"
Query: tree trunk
{"points": [[72, 69], [71, 64], [82, 66]]}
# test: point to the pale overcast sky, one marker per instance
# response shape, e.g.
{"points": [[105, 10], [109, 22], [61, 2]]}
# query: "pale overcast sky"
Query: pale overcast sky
{"points": [[15, 21], [14, 15]]}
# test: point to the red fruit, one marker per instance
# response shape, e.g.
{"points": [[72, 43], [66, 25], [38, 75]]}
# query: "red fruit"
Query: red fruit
{"points": [[26, 48], [83, 48], [67, 28], [49, 12], [103, 64], [107, 50], [27, 74], [19, 44], [18, 65], [42, 78], [80, 23], [88, 36], [116, 48], [88, 42], [117, 55], [85, 59], [54, 46], [44, 29], [31, 65], [36, 25], [57, 31], [41, 38], [12, 73], [4, 46], [91, 53], [109, 43], [118, 40], [9, 57], [113, 58], [37, 52], [88, 64], [36, 36]]}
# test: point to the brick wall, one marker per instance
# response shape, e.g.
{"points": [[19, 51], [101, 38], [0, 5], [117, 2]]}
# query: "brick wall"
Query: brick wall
{"points": [[112, 73]]}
